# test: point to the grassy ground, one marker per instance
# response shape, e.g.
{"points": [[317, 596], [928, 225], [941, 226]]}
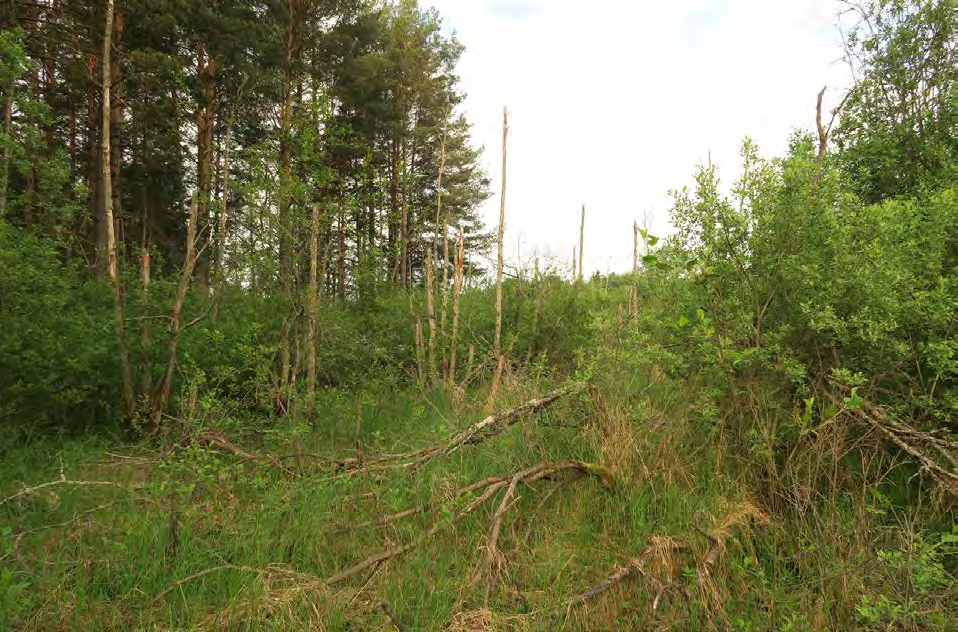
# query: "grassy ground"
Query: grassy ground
{"points": [[193, 537]]}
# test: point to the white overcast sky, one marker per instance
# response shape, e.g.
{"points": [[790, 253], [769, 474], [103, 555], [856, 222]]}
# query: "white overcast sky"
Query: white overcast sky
{"points": [[612, 103]]}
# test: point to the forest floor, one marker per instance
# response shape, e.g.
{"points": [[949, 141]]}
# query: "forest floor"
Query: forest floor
{"points": [[593, 513]]}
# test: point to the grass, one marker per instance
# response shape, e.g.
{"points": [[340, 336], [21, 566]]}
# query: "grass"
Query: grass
{"points": [[100, 558]]}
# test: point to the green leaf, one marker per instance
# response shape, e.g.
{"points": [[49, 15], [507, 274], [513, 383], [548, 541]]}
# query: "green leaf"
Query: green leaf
{"points": [[650, 260], [854, 402]]}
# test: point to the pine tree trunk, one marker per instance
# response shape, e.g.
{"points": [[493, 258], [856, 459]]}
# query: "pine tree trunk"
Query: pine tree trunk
{"points": [[145, 381], [341, 252], [112, 263], [313, 311], [393, 223], [94, 169], [205, 122], [286, 246], [634, 298], [218, 271], [404, 234], [116, 121], [8, 142]]}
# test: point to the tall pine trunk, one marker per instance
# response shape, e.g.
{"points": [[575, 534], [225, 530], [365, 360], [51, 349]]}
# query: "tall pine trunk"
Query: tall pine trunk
{"points": [[313, 308], [116, 121], [8, 142], [113, 272], [205, 123]]}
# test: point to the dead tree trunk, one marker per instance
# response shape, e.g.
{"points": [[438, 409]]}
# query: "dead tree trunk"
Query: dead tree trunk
{"points": [[497, 341], [445, 296], [113, 272], [581, 243], [456, 291], [431, 313], [634, 297], [161, 394]]}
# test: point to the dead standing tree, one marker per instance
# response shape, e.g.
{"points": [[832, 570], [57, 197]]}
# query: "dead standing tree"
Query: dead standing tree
{"points": [[456, 292], [581, 243], [161, 394], [497, 341]]}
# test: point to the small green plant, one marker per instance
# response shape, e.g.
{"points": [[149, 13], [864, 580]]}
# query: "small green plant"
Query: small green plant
{"points": [[12, 589]]}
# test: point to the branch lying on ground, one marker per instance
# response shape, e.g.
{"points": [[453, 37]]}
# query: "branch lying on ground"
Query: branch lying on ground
{"points": [[662, 549], [27, 491], [660, 559], [742, 515], [492, 486], [480, 431], [213, 439], [941, 462], [273, 570], [909, 440], [491, 426], [60, 525]]}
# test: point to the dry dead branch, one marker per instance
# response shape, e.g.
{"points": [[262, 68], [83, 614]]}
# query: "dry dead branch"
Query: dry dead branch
{"points": [[494, 424], [273, 570], [936, 455], [492, 485], [28, 491], [743, 514], [658, 561], [911, 440], [490, 426], [661, 552]]}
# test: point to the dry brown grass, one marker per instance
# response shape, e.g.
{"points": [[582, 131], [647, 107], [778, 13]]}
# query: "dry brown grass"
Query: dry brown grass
{"points": [[486, 620]]}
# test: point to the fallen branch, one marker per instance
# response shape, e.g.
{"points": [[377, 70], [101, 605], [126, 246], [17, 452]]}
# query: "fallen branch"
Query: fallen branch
{"points": [[271, 570], [492, 485], [662, 551], [213, 439], [383, 607], [59, 525], [911, 441], [743, 514], [415, 511], [661, 547], [488, 427], [203, 573], [27, 491], [492, 425]]}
